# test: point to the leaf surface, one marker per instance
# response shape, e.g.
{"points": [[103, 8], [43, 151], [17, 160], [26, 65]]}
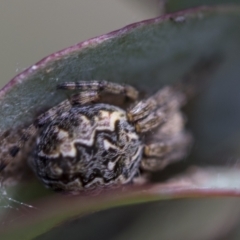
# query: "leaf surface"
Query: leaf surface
{"points": [[147, 54]]}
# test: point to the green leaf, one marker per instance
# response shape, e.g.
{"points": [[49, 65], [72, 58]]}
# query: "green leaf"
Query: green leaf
{"points": [[175, 5], [149, 55]]}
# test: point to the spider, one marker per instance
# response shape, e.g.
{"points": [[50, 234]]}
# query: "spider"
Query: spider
{"points": [[83, 144]]}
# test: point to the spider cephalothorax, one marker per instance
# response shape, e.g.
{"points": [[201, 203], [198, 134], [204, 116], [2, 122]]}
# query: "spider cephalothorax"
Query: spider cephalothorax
{"points": [[84, 145]]}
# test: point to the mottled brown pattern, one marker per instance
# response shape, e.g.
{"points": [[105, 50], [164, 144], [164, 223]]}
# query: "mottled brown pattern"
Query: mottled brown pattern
{"points": [[13, 169], [91, 146], [84, 145]]}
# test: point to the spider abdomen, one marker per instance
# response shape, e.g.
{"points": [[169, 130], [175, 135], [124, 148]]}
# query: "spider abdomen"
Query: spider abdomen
{"points": [[87, 147]]}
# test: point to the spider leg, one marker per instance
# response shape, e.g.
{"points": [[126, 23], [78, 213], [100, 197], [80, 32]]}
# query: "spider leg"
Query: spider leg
{"points": [[154, 111], [170, 142], [31, 131], [48, 116], [79, 99], [159, 154], [101, 86], [12, 169]]}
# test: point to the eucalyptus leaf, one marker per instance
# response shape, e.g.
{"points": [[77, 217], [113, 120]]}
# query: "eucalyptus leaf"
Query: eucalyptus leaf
{"points": [[149, 55], [175, 5]]}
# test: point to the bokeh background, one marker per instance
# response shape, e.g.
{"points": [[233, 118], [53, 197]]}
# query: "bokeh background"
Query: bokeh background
{"points": [[30, 30]]}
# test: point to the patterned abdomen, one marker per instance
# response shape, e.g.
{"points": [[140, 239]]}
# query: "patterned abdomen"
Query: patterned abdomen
{"points": [[88, 147]]}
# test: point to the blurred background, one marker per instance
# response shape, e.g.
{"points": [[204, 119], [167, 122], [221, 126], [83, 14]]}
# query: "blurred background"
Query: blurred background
{"points": [[31, 30]]}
